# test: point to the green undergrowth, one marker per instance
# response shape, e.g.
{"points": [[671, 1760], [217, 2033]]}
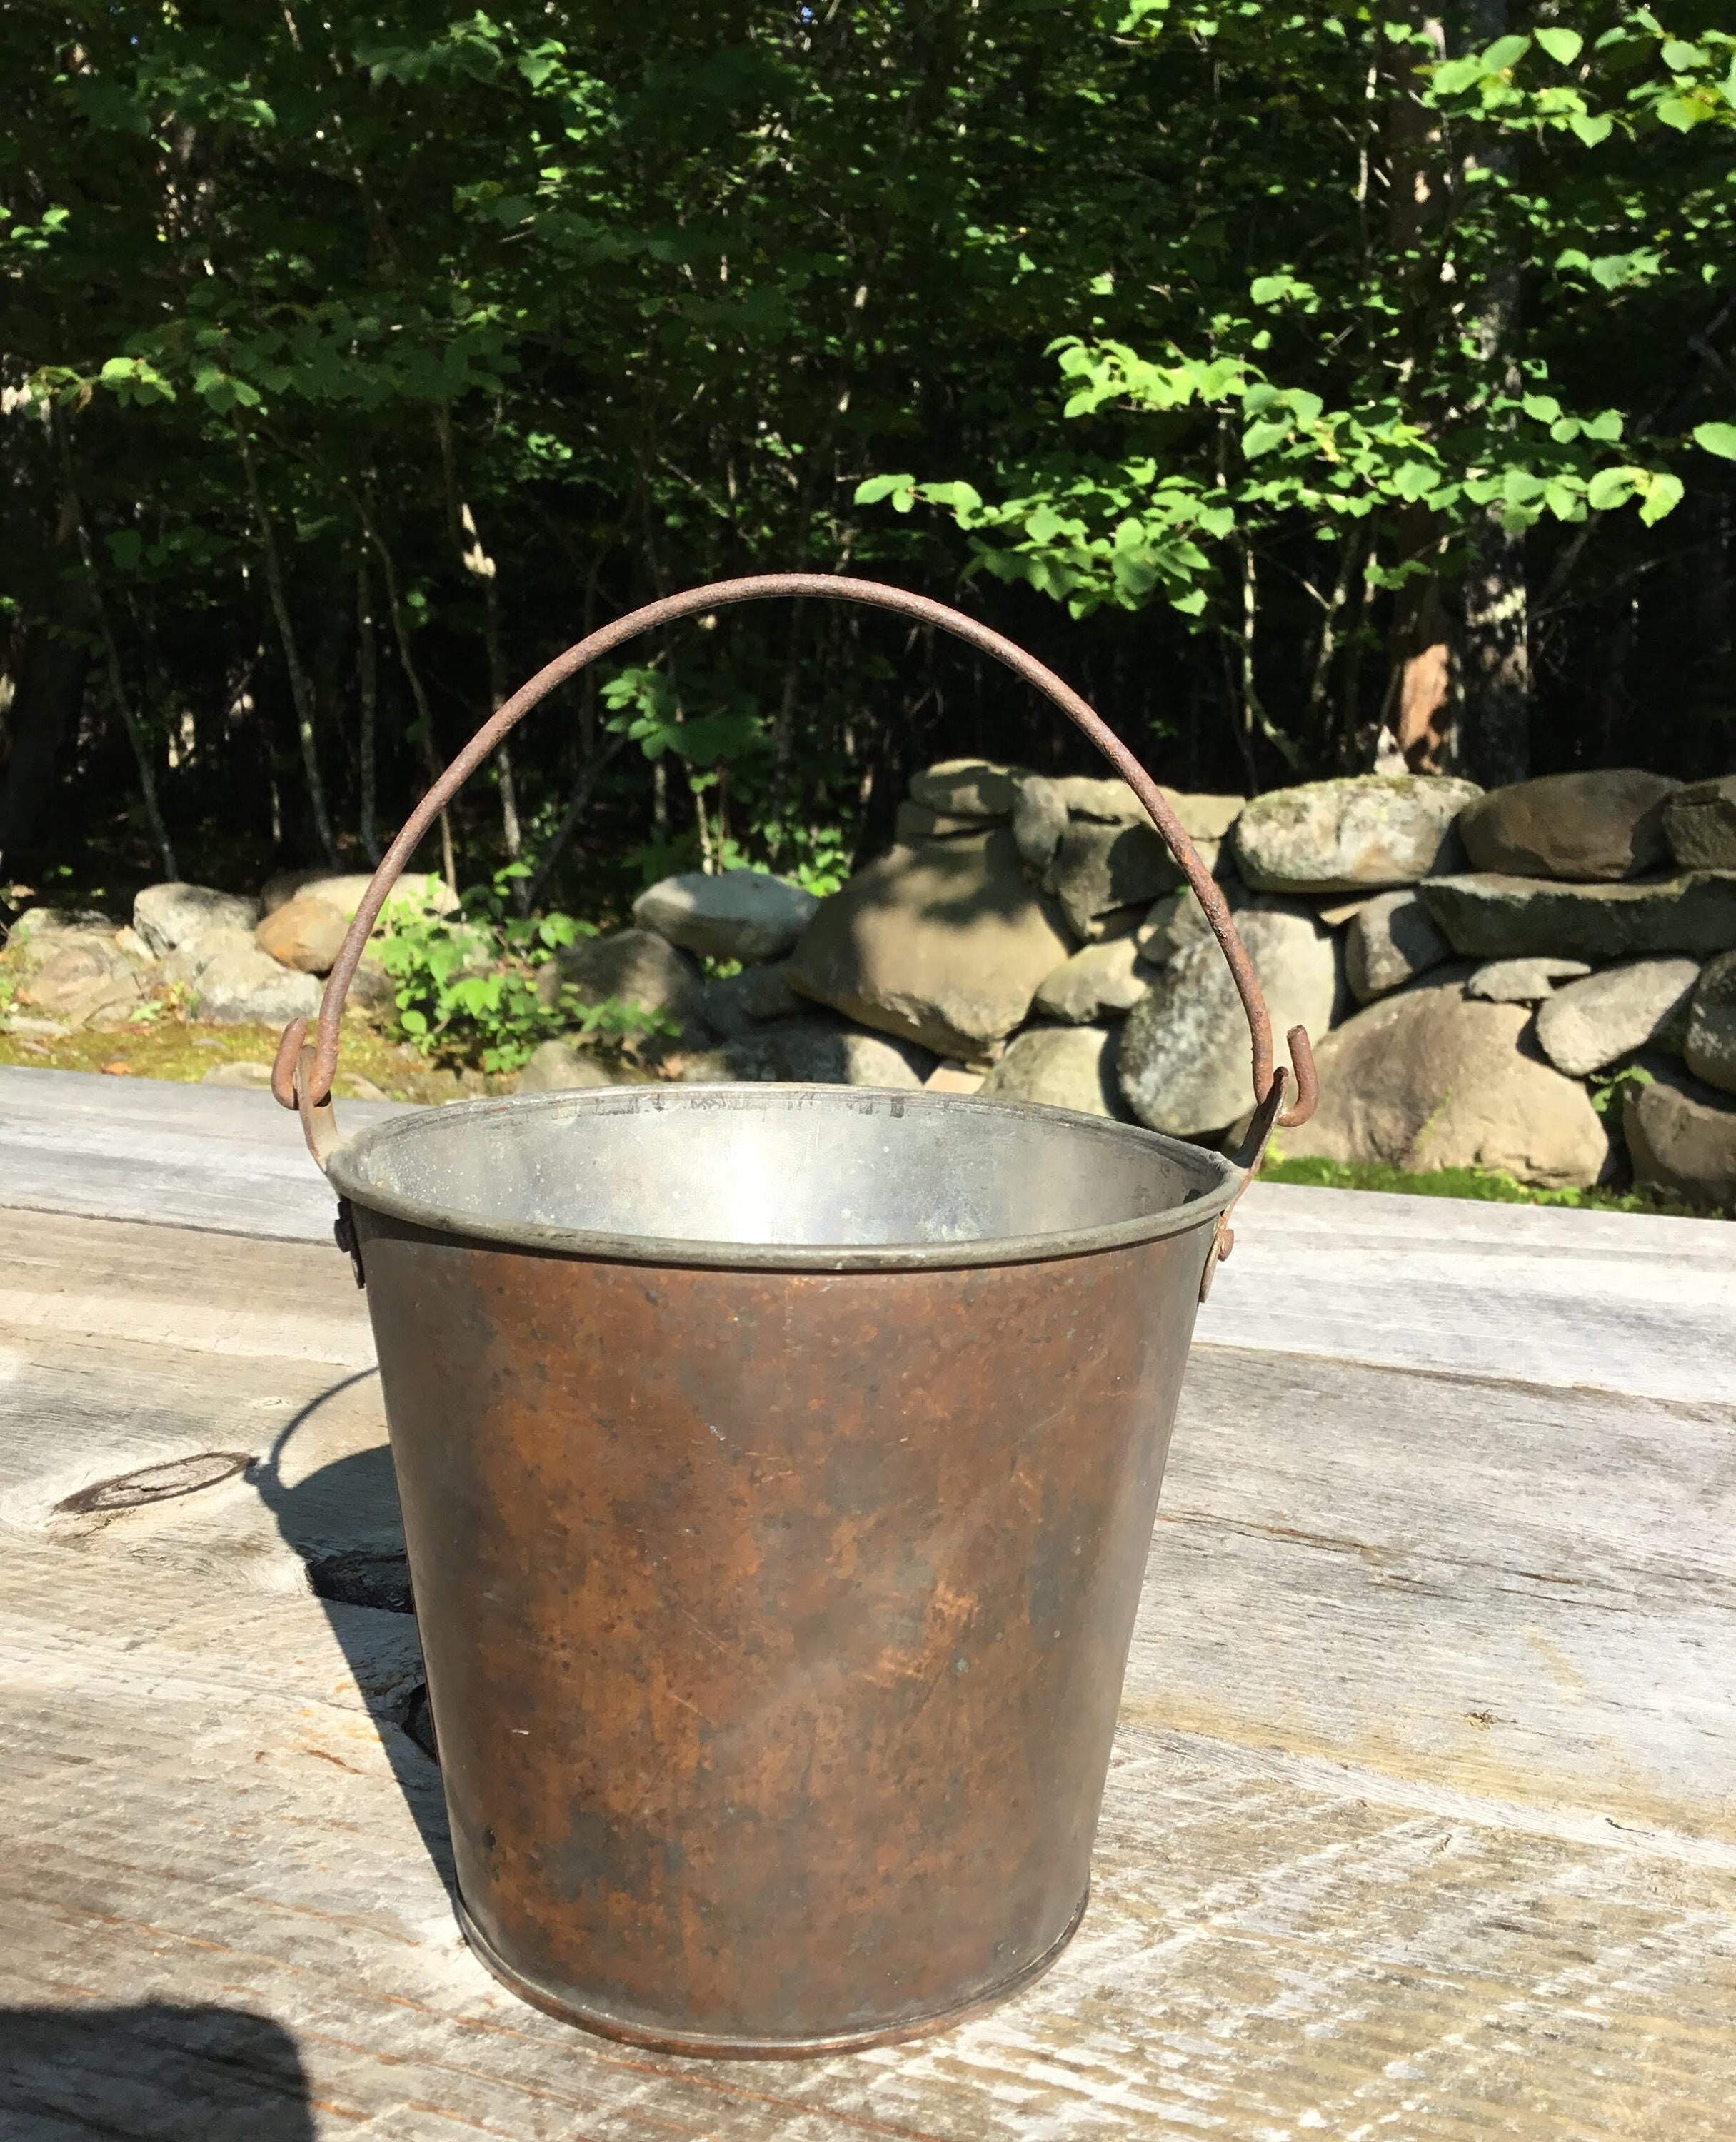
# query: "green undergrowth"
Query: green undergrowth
{"points": [[1488, 1185]]}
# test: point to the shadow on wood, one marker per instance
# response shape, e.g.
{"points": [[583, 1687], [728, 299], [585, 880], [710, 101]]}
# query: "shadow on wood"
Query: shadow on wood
{"points": [[154, 2069], [343, 1520]]}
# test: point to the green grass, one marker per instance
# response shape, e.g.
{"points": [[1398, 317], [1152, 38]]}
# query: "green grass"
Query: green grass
{"points": [[1486, 1184]]}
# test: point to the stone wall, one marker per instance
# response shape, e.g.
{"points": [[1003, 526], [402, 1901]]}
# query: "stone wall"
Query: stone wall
{"points": [[1474, 968]]}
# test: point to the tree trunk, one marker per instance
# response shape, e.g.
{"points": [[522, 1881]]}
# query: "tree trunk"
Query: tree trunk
{"points": [[412, 677], [1416, 728], [301, 691], [1420, 720], [1497, 661], [367, 691], [1496, 651], [117, 689], [476, 560]]}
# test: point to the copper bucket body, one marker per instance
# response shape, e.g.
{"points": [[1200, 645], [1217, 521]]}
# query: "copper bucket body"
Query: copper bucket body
{"points": [[775, 1596]]}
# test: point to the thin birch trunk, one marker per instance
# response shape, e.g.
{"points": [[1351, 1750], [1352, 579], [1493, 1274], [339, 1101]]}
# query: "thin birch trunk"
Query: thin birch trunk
{"points": [[367, 687], [301, 690], [412, 677], [475, 559]]}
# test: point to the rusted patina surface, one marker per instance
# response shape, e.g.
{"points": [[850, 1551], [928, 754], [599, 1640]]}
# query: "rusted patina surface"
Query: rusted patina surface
{"points": [[775, 1621]]}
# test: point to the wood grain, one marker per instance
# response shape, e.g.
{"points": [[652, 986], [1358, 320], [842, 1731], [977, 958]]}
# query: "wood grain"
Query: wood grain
{"points": [[1599, 1301], [1420, 1823]]}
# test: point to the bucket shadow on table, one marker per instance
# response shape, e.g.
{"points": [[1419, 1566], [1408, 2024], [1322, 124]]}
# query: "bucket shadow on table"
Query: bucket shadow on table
{"points": [[149, 2070], [344, 1522]]}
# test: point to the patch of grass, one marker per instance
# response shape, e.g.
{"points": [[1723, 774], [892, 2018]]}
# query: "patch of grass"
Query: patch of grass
{"points": [[1487, 1184], [167, 1049]]}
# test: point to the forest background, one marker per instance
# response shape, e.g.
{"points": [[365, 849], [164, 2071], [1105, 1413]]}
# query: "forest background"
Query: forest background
{"points": [[1319, 388]]}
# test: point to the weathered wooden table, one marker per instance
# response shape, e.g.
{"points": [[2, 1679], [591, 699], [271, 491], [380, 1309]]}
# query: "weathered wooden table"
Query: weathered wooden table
{"points": [[1422, 1819]]}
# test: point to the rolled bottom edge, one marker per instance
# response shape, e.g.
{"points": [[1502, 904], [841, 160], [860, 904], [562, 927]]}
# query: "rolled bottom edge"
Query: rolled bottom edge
{"points": [[697, 2045]]}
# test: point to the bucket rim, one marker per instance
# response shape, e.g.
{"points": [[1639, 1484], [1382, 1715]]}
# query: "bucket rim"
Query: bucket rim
{"points": [[1200, 1209]]}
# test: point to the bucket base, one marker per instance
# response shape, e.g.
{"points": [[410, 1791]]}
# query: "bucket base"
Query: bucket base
{"points": [[698, 2046]]}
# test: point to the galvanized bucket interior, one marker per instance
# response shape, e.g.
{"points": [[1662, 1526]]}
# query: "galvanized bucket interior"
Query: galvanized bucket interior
{"points": [[781, 1176]]}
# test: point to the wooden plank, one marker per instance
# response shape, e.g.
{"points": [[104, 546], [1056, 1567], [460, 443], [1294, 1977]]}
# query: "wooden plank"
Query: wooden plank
{"points": [[216, 1158], [1602, 1301], [1329, 1897], [1610, 1301]]}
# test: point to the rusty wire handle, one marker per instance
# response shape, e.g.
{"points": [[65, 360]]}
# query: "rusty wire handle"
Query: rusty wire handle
{"points": [[301, 1077]]}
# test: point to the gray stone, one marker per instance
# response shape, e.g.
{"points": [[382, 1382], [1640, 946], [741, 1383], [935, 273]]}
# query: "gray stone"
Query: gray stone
{"points": [[1118, 922], [1178, 920], [1184, 1056], [372, 989], [734, 1004], [1711, 1037], [1203, 817], [189, 961], [1060, 1067], [425, 891], [348, 1085], [1600, 826], [633, 967], [1681, 1137], [1099, 869], [1039, 819], [1699, 824], [1430, 1078], [1098, 980], [1495, 917], [1368, 832], [741, 914], [238, 1072], [87, 979], [245, 984], [167, 915], [40, 931], [558, 1067], [953, 1077], [1522, 981], [1391, 941], [304, 933], [916, 821], [1639, 1004], [968, 788], [815, 1051], [944, 944]]}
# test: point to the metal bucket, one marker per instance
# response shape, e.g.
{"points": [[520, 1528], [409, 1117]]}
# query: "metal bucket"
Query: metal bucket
{"points": [[779, 1465]]}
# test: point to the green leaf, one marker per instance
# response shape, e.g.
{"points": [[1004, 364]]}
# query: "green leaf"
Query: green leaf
{"points": [[1682, 58], [1592, 129], [1683, 113], [1268, 289], [1719, 439], [1662, 495], [1544, 408], [1611, 487], [1563, 46], [1504, 53], [875, 488], [1261, 438], [1454, 77]]}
